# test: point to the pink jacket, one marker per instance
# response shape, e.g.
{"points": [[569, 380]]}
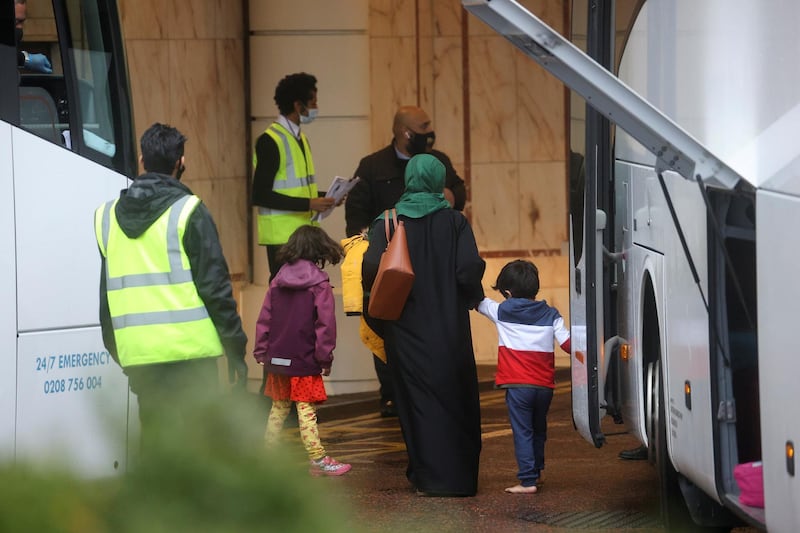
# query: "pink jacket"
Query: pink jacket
{"points": [[296, 329]]}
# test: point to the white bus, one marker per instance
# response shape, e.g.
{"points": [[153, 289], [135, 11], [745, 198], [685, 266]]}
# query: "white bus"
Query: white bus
{"points": [[66, 146], [685, 195]]}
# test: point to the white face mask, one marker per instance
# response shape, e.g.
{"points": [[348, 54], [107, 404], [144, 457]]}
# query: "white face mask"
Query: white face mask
{"points": [[312, 114]]}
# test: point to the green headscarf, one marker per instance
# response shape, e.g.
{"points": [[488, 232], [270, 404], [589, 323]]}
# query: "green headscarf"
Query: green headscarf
{"points": [[424, 187]]}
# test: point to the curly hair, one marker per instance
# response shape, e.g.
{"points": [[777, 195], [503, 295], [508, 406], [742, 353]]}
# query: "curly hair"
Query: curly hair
{"points": [[518, 279], [300, 86], [312, 244]]}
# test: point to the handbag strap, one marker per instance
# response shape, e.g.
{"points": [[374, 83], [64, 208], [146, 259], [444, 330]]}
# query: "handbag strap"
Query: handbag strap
{"points": [[386, 215]]}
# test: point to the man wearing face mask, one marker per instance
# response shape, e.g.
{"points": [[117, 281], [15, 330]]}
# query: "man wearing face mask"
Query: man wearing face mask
{"points": [[34, 62], [167, 311], [382, 183], [284, 188], [382, 172]]}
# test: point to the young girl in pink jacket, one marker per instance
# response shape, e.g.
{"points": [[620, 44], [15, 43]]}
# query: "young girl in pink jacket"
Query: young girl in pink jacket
{"points": [[296, 342]]}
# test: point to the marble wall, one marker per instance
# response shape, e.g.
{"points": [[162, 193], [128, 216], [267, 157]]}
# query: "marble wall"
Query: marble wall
{"points": [[186, 66], [499, 116]]}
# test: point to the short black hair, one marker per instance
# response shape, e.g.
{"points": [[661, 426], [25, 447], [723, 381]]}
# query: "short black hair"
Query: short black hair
{"points": [[300, 86], [313, 244], [162, 147], [518, 279]]}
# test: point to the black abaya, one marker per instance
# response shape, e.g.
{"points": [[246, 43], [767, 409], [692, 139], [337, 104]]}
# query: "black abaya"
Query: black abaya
{"points": [[429, 351]]}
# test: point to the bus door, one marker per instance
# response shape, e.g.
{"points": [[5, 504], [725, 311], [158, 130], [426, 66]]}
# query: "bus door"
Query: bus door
{"points": [[672, 149], [590, 215]]}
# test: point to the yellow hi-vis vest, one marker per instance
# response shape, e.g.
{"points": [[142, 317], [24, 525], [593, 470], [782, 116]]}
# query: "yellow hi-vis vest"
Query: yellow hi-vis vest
{"points": [[156, 313], [295, 178]]}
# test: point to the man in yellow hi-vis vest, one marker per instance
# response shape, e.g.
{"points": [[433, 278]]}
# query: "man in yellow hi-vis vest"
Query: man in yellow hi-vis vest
{"points": [[284, 187], [167, 310]]}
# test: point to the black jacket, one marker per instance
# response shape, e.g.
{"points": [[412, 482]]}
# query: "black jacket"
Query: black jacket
{"points": [[382, 183], [139, 206]]}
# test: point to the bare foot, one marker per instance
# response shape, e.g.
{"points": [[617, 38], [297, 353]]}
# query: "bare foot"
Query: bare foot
{"points": [[519, 489]]}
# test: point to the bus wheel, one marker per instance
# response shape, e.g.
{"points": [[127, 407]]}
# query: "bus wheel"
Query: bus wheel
{"points": [[675, 513], [651, 410]]}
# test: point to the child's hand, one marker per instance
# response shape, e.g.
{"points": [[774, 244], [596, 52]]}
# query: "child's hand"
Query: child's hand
{"points": [[326, 371]]}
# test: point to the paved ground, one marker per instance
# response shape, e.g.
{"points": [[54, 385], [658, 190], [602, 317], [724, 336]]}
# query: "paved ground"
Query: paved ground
{"points": [[584, 487]]}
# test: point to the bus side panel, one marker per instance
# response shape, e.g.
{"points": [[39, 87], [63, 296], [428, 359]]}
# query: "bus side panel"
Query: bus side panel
{"points": [[641, 263], [56, 193], [777, 217], [8, 303], [685, 336], [72, 402], [71, 398], [630, 369], [682, 315]]}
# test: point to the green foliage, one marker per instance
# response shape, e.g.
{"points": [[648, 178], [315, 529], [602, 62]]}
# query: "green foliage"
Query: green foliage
{"points": [[213, 475]]}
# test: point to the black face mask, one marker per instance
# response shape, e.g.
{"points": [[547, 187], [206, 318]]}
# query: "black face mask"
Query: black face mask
{"points": [[18, 35], [419, 143], [179, 173]]}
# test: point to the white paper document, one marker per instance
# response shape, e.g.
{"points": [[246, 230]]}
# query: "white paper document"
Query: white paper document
{"points": [[338, 190]]}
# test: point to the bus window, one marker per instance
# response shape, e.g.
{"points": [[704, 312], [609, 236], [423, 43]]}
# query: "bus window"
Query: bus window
{"points": [[91, 55], [103, 127], [84, 104], [42, 97]]}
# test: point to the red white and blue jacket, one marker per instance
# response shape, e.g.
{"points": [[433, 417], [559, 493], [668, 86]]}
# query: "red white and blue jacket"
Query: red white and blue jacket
{"points": [[527, 331]]}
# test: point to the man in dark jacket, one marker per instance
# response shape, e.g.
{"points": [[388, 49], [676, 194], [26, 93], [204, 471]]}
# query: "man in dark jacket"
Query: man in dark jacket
{"points": [[382, 172], [381, 185], [167, 310]]}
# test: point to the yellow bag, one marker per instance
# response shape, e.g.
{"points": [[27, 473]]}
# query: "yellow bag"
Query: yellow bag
{"points": [[372, 340], [352, 293]]}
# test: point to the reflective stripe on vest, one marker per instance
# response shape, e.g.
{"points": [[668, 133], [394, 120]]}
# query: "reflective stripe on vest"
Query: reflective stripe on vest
{"points": [[295, 178], [156, 313]]}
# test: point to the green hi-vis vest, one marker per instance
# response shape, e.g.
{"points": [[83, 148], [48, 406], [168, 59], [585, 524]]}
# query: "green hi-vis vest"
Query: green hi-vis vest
{"points": [[156, 313], [295, 178]]}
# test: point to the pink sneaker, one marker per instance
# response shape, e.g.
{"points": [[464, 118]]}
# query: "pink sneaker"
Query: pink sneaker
{"points": [[328, 466]]}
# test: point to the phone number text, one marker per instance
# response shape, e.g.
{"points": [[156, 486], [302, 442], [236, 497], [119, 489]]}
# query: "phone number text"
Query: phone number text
{"points": [[57, 386]]}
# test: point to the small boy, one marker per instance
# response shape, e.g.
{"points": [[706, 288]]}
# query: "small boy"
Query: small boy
{"points": [[526, 328]]}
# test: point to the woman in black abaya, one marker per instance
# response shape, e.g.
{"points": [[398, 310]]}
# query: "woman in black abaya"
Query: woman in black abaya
{"points": [[429, 348]]}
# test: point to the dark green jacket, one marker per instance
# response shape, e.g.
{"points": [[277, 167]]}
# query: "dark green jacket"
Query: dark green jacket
{"points": [[142, 204]]}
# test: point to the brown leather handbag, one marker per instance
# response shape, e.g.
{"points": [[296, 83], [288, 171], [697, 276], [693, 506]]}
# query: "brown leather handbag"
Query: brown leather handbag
{"points": [[395, 274]]}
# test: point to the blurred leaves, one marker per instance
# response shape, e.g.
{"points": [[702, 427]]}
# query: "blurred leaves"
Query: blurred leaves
{"points": [[212, 475]]}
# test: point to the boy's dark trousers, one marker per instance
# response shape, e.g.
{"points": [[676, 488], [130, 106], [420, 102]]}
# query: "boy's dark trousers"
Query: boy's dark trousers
{"points": [[527, 411]]}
